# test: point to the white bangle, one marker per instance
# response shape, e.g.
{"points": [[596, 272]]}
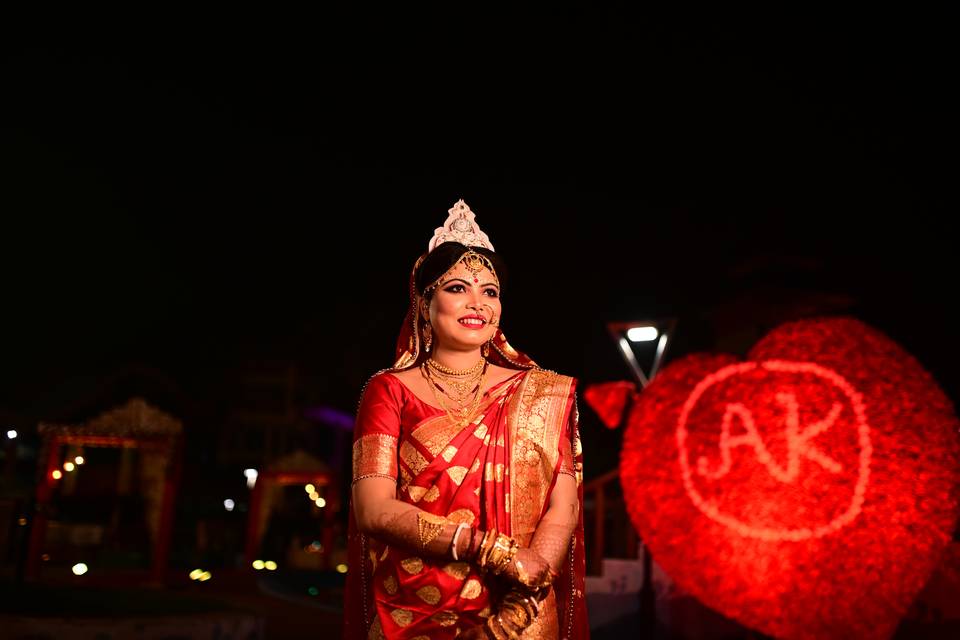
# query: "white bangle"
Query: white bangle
{"points": [[456, 534]]}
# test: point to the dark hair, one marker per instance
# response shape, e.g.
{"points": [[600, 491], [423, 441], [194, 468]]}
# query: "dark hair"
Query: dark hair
{"points": [[439, 261]]}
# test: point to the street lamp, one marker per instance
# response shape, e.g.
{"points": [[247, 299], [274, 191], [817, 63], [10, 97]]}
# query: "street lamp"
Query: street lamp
{"points": [[633, 339]]}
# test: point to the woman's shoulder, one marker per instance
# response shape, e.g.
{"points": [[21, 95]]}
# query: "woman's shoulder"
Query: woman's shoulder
{"points": [[382, 383], [547, 376]]}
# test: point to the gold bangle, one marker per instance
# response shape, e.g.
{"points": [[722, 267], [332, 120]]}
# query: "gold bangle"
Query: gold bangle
{"points": [[488, 538], [507, 627], [520, 616], [501, 553], [496, 628]]}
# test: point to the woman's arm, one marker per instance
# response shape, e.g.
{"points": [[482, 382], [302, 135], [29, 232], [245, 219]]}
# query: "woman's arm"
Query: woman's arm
{"points": [[399, 523], [552, 538]]}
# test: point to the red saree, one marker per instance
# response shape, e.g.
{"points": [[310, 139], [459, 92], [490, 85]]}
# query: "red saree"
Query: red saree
{"points": [[498, 471]]}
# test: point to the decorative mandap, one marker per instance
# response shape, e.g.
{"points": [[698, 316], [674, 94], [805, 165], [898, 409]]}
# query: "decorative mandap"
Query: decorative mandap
{"points": [[156, 436]]}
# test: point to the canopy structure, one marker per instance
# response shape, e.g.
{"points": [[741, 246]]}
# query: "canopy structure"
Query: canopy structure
{"points": [[155, 435]]}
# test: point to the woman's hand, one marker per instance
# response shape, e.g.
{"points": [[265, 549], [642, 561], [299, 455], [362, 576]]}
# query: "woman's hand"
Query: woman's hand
{"points": [[529, 569]]}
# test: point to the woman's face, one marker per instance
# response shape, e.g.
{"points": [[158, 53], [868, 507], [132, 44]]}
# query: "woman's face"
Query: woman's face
{"points": [[462, 308]]}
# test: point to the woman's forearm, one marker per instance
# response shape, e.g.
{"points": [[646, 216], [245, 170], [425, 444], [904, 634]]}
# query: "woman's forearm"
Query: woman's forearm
{"points": [[401, 524], [553, 534]]}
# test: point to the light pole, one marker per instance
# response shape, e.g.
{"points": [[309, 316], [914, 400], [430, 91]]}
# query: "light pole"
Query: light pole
{"points": [[628, 337]]}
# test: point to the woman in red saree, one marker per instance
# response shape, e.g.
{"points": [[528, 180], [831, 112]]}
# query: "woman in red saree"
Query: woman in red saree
{"points": [[467, 499]]}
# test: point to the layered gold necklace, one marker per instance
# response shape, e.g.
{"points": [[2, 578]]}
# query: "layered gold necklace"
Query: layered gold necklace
{"points": [[463, 388]]}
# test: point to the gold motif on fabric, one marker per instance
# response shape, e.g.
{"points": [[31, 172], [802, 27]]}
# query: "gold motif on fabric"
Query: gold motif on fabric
{"points": [[413, 566], [448, 453], [466, 516], [457, 570], [457, 474], [471, 589], [493, 472], [416, 492], [412, 458], [390, 584], [481, 431], [475, 466], [402, 617], [376, 631], [375, 454], [436, 433], [432, 494], [444, 618], [566, 458], [429, 594], [485, 612]]}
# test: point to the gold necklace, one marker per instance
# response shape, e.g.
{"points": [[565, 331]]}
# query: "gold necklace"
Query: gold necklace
{"points": [[461, 415], [460, 390], [436, 366]]}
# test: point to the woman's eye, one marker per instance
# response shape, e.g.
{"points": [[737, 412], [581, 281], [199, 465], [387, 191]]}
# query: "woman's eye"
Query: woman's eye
{"points": [[457, 288], [493, 293]]}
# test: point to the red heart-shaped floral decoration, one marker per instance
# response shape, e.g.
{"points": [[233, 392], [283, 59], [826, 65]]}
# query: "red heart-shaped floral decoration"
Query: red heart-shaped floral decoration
{"points": [[807, 492]]}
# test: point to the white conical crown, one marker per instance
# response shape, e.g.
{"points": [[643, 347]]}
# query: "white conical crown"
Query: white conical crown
{"points": [[460, 227]]}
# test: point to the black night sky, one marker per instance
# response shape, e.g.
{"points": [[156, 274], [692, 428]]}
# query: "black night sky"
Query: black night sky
{"points": [[192, 196]]}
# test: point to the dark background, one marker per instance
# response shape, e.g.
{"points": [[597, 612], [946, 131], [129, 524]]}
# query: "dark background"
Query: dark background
{"points": [[189, 196]]}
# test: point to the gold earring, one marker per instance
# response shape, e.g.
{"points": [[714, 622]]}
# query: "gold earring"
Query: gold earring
{"points": [[485, 349], [427, 337]]}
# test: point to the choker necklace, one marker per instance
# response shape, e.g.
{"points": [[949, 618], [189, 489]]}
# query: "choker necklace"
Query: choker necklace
{"points": [[475, 369]]}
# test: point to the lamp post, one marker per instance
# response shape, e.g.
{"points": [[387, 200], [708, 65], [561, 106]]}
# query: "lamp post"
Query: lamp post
{"points": [[626, 335]]}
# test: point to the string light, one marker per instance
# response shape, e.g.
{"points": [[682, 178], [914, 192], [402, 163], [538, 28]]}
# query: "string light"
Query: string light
{"points": [[258, 565], [79, 569], [56, 474]]}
